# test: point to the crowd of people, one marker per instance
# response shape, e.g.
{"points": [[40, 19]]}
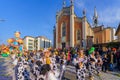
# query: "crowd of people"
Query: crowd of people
{"points": [[50, 64]]}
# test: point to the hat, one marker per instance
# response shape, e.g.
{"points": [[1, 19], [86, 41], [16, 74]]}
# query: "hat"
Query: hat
{"points": [[114, 49], [92, 49]]}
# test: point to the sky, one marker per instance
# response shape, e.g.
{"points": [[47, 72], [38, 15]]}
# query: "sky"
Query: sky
{"points": [[37, 17]]}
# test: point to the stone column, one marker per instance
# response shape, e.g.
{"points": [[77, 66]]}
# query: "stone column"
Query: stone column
{"points": [[72, 26], [84, 22]]}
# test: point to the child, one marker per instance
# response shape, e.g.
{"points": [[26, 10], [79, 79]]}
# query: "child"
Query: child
{"points": [[99, 64], [105, 63], [20, 70], [62, 66], [37, 68], [80, 65], [91, 63], [46, 73], [54, 65], [81, 71]]}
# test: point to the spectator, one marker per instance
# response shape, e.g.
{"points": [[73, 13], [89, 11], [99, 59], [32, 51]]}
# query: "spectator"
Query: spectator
{"points": [[97, 54], [114, 57], [105, 63], [68, 58], [87, 52], [99, 64], [110, 61], [118, 58]]}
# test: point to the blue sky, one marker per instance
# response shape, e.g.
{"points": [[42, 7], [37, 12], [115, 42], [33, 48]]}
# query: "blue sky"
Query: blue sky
{"points": [[37, 17]]}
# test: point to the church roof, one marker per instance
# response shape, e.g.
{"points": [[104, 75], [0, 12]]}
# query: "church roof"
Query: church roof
{"points": [[66, 10], [98, 28], [118, 30]]}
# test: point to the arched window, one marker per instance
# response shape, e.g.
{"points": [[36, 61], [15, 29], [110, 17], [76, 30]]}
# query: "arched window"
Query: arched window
{"points": [[63, 29], [78, 35]]}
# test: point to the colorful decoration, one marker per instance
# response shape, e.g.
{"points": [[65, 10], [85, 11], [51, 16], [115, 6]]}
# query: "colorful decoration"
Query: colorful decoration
{"points": [[5, 51], [15, 44], [92, 49]]}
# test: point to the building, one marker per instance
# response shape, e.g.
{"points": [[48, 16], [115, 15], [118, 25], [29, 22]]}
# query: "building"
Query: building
{"points": [[71, 30], [29, 43], [36, 43], [42, 42], [101, 34], [118, 33]]}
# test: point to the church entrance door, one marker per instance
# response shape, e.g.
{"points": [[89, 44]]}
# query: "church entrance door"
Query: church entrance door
{"points": [[63, 45]]}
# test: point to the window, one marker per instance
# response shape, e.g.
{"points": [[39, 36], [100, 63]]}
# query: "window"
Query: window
{"points": [[30, 44], [63, 29], [78, 35], [30, 47], [30, 40], [95, 21]]}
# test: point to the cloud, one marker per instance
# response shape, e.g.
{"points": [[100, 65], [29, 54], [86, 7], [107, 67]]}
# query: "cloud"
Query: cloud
{"points": [[79, 4], [109, 15]]}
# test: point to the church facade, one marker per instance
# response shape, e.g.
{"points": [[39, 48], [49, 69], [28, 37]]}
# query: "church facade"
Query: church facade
{"points": [[71, 30]]}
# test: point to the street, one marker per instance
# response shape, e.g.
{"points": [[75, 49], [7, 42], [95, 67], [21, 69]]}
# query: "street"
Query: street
{"points": [[70, 74], [7, 72], [6, 69], [60, 40]]}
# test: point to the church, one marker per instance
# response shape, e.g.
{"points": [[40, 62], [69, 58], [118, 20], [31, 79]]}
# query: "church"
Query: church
{"points": [[71, 30]]}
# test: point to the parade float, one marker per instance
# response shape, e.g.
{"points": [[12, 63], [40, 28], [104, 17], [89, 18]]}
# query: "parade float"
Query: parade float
{"points": [[16, 44], [5, 51]]}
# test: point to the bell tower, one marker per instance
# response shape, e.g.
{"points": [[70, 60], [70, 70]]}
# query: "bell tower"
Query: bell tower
{"points": [[95, 18], [64, 3]]}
